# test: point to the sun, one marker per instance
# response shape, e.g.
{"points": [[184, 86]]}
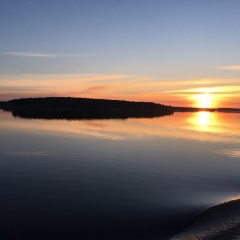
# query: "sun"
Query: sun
{"points": [[204, 100]]}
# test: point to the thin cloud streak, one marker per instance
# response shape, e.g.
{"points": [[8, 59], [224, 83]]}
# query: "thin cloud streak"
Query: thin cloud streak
{"points": [[212, 90], [42, 55], [237, 67], [93, 90]]}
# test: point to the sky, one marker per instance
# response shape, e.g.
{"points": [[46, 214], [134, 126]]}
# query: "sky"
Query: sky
{"points": [[179, 53]]}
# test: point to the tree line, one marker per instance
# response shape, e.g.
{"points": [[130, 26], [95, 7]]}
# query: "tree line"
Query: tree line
{"points": [[83, 108]]}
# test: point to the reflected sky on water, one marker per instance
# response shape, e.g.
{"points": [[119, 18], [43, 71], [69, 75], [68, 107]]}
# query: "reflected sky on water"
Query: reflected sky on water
{"points": [[203, 126], [133, 178]]}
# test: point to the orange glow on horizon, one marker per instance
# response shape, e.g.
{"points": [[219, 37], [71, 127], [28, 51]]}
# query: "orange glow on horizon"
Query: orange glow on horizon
{"points": [[210, 93]]}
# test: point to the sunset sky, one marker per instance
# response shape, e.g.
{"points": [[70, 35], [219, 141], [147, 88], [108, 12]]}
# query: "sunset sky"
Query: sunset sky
{"points": [[180, 53]]}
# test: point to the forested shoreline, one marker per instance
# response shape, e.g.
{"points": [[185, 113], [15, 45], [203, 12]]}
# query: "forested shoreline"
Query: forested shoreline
{"points": [[83, 108], [90, 108]]}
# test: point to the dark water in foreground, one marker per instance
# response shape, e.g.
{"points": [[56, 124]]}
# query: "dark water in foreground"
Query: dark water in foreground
{"points": [[114, 179]]}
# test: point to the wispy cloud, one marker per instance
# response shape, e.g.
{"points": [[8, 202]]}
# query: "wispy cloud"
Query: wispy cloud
{"points": [[93, 89], [236, 67], [31, 54], [213, 90], [43, 55]]}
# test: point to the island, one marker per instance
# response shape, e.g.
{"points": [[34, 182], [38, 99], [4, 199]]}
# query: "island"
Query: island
{"points": [[83, 108], [91, 108]]}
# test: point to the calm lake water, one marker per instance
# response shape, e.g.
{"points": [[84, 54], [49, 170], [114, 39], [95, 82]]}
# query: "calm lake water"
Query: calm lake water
{"points": [[114, 179]]}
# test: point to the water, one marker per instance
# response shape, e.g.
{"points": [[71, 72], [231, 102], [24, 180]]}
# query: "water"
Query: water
{"points": [[114, 179]]}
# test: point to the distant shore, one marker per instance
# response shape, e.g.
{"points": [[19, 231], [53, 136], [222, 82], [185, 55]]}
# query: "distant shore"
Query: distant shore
{"points": [[89, 108], [83, 108], [192, 109]]}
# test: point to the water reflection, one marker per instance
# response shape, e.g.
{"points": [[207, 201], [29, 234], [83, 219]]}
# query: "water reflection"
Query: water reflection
{"points": [[233, 153], [114, 176], [202, 121], [206, 122], [202, 126]]}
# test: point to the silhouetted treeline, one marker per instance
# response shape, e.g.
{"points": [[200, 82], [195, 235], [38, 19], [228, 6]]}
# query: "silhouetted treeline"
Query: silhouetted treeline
{"points": [[83, 108], [230, 110], [193, 109], [3, 105]]}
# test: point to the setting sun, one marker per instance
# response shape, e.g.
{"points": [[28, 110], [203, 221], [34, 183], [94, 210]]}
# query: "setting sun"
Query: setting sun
{"points": [[204, 100]]}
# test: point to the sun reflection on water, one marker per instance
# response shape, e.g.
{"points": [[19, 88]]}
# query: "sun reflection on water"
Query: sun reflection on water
{"points": [[203, 121], [203, 126]]}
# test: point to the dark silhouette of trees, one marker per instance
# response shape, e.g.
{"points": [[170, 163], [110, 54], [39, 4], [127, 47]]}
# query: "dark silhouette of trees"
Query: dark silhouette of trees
{"points": [[83, 108]]}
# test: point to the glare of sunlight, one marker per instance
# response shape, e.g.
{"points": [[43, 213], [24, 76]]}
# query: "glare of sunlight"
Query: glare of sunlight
{"points": [[204, 100], [203, 119]]}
